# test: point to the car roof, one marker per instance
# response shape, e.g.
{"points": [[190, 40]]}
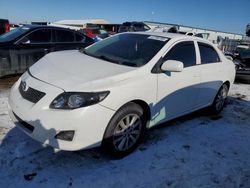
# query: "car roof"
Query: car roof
{"points": [[44, 26], [173, 35]]}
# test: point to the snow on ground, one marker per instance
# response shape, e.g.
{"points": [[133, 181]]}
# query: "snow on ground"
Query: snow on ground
{"points": [[193, 151]]}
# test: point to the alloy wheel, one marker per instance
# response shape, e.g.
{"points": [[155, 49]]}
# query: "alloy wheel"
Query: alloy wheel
{"points": [[221, 98], [127, 132]]}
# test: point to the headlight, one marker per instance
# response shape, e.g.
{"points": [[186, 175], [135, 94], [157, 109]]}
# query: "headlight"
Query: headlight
{"points": [[73, 100]]}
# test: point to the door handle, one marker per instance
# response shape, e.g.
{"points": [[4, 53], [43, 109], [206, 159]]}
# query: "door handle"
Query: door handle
{"points": [[46, 50]]}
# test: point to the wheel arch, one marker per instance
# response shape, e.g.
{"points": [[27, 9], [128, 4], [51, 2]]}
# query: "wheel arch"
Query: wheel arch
{"points": [[144, 106], [227, 84], [139, 102]]}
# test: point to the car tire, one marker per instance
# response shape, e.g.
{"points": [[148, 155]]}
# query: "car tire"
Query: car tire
{"points": [[124, 130], [220, 100]]}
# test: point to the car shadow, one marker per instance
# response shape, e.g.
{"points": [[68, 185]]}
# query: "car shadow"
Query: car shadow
{"points": [[194, 95], [7, 81]]}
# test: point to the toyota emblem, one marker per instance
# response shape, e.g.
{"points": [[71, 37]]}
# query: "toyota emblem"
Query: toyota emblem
{"points": [[23, 86]]}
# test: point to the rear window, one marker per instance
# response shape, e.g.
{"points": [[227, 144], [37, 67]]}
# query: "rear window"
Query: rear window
{"points": [[208, 54]]}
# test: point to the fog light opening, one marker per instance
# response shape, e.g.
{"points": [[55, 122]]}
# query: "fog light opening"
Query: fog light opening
{"points": [[65, 135]]}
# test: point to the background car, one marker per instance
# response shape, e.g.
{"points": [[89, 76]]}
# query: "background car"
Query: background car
{"points": [[4, 26], [240, 48], [242, 63], [95, 32], [133, 26], [117, 88], [22, 47], [14, 26]]}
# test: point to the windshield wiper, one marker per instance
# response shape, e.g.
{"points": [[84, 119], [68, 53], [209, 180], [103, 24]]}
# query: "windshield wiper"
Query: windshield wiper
{"points": [[105, 58], [108, 59], [129, 64], [82, 50], [99, 57]]}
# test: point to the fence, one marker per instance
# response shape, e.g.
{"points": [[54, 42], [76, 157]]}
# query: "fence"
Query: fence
{"points": [[229, 45]]}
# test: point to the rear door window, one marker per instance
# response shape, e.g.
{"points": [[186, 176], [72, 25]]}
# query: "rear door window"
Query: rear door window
{"points": [[64, 36], [184, 52], [208, 54]]}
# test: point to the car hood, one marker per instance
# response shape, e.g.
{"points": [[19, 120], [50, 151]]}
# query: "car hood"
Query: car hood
{"points": [[72, 70]]}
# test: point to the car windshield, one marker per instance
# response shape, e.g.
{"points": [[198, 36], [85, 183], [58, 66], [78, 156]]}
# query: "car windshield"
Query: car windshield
{"points": [[11, 35], [128, 49]]}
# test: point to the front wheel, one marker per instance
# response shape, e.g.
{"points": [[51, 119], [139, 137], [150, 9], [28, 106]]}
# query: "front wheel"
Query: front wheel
{"points": [[220, 99], [124, 131]]}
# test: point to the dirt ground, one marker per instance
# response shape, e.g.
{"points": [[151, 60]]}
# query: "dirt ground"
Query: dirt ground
{"points": [[7, 82]]}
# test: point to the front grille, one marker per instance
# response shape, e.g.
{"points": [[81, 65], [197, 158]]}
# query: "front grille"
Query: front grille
{"points": [[29, 128], [30, 94]]}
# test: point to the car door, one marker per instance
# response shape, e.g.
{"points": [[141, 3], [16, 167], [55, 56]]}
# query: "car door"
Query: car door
{"points": [[178, 91], [211, 73], [30, 49]]}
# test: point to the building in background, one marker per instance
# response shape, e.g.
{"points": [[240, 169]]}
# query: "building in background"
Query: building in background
{"points": [[78, 24], [226, 41], [212, 35]]}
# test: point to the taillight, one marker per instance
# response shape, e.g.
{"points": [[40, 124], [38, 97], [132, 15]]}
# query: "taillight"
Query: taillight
{"points": [[7, 27]]}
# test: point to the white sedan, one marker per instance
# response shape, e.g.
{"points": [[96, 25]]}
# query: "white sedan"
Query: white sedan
{"points": [[111, 92]]}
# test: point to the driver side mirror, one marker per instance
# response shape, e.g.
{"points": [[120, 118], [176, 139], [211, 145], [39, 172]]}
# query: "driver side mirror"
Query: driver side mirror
{"points": [[172, 66]]}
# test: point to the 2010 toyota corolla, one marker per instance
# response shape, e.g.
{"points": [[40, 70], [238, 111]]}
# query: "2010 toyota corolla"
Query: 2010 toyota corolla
{"points": [[109, 93]]}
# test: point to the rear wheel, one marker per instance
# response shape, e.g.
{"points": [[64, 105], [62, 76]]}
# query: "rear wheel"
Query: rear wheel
{"points": [[220, 99], [124, 131]]}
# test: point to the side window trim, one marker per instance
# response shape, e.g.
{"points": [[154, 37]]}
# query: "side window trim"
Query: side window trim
{"points": [[198, 55]]}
